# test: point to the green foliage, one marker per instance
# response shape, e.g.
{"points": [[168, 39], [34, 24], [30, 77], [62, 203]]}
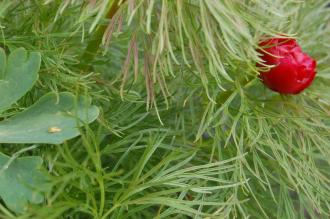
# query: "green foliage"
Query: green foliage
{"points": [[21, 181], [18, 74], [51, 120], [213, 142]]}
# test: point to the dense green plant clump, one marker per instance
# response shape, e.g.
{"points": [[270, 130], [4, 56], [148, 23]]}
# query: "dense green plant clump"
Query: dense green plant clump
{"points": [[186, 129]]}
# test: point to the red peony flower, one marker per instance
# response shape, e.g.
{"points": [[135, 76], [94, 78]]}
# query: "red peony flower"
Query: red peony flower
{"points": [[293, 69]]}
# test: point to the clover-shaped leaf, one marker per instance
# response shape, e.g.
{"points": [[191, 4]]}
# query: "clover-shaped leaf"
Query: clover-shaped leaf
{"points": [[17, 75], [21, 182], [51, 120]]}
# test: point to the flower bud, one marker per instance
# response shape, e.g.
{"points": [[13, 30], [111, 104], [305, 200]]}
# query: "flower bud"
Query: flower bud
{"points": [[291, 69]]}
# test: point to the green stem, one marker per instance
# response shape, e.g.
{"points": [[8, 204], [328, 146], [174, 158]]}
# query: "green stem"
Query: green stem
{"points": [[5, 211], [102, 198], [94, 45]]}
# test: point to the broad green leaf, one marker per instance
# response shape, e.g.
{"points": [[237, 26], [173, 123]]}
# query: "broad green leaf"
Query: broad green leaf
{"points": [[51, 120], [21, 182], [17, 75]]}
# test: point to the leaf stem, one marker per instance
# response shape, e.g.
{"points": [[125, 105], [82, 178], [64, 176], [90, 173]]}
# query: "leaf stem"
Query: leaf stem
{"points": [[94, 44], [8, 213]]}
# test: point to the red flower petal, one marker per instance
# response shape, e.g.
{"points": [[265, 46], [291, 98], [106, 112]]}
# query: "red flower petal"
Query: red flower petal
{"points": [[294, 70]]}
